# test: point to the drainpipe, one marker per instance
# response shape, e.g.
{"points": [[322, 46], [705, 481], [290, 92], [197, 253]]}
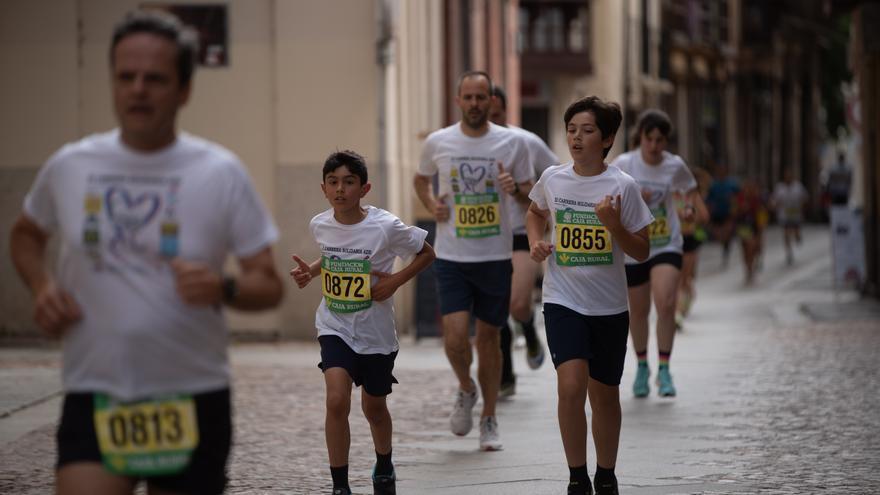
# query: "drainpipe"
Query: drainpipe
{"points": [[384, 55]]}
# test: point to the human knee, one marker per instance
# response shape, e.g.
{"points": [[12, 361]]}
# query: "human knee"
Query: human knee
{"points": [[338, 404], [488, 341], [376, 411]]}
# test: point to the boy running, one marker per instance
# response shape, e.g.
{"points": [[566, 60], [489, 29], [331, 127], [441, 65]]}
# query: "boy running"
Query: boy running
{"points": [[355, 321], [597, 215]]}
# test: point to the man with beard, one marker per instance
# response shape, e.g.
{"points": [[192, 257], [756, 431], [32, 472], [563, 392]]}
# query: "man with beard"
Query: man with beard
{"points": [[482, 170]]}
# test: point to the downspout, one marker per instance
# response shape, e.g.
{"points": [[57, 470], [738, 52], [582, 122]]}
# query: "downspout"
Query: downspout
{"points": [[384, 55]]}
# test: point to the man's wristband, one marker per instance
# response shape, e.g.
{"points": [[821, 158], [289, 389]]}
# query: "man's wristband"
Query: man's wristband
{"points": [[229, 289]]}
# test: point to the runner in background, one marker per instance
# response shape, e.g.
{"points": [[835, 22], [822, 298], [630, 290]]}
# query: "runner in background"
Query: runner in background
{"points": [[693, 215]]}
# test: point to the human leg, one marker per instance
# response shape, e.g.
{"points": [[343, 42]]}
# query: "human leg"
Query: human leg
{"points": [[639, 309], [338, 384], [525, 271], [90, 478], [664, 281]]}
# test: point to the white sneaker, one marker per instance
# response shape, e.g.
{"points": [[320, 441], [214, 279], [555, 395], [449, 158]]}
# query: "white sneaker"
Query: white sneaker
{"points": [[489, 438], [461, 421]]}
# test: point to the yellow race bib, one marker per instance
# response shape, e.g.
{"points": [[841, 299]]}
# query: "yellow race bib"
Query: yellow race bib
{"points": [[346, 284], [477, 215], [659, 229], [581, 239], [146, 438]]}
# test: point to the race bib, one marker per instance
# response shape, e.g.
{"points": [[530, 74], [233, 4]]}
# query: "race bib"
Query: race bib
{"points": [[147, 438], [477, 215], [346, 284], [659, 230], [581, 239]]}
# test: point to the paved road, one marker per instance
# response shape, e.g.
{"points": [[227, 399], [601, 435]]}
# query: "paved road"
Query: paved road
{"points": [[776, 395]]}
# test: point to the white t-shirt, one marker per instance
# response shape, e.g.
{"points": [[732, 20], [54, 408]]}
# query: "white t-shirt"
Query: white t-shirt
{"points": [[121, 216], [586, 271], [349, 253], [541, 157], [478, 228], [671, 176], [789, 200]]}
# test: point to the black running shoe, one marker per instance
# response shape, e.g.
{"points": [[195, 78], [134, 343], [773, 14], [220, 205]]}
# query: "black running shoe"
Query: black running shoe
{"points": [[384, 484], [606, 486], [575, 488]]}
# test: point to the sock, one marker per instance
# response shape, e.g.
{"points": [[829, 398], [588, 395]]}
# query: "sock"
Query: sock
{"points": [[383, 464], [340, 476], [506, 359], [528, 328], [664, 358], [604, 475], [579, 475], [642, 356]]}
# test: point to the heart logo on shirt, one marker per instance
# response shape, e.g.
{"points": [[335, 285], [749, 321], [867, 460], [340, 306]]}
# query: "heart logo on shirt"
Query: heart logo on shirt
{"points": [[471, 176], [131, 212]]}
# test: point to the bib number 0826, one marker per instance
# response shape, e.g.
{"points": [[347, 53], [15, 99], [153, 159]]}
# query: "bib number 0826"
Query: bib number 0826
{"points": [[477, 215]]}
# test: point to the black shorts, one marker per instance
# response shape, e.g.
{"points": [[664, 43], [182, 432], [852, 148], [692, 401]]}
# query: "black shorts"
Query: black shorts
{"points": [[639, 274], [481, 287], [521, 242], [373, 371], [600, 340], [206, 473], [691, 243]]}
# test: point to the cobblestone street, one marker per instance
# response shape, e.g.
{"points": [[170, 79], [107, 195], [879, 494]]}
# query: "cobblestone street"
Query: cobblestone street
{"points": [[773, 398]]}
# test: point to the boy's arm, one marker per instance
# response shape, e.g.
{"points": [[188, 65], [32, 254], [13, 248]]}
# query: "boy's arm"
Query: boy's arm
{"points": [[389, 282], [635, 244], [536, 224]]}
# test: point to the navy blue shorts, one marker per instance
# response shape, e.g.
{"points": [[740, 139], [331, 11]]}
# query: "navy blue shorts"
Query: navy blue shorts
{"points": [[373, 371], [641, 273], [206, 473], [599, 340], [482, 288]]}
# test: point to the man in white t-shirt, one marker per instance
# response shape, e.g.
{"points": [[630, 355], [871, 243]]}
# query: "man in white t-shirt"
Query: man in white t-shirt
{"points": [[482, 169], [355, 321], [525, 271], [596, 217], [789, 198], [146, 217]]}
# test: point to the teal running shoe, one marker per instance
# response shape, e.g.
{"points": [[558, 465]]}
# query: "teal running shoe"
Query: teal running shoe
{"points": [[640, 386], [665, 388]]}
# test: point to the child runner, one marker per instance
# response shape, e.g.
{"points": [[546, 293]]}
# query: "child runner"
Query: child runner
{"points": [[597, 215], [355, 321], [661, 175]]}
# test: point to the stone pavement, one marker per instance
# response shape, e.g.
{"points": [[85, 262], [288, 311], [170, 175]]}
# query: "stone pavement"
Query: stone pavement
{"points": [[776, 395]]}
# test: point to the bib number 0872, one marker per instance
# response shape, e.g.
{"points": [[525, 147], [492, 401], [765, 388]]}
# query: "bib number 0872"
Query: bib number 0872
{"points": [[344, 285]]}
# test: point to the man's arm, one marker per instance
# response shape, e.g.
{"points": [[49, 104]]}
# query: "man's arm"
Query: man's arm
{"points": [[635, 244], [54, 309], [257, 286], [389, 283], [422, 185]]}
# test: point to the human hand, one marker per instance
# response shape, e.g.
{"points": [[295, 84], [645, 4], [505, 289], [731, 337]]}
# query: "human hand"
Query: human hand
{"points": [[55, 310], [540, 250], [384, 288], [441, 210], [505, 181], [196, 283], [608, 212], [302, 274]]}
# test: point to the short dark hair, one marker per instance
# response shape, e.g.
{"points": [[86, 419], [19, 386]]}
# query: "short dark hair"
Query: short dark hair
{"points": [[167, 26], [474, 73], [498, 92], [649, 120], [607, 114], [351, 160]]}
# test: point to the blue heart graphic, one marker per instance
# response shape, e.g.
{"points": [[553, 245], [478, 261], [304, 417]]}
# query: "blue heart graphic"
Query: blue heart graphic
{"points": [[471, 176], [131, 213]]}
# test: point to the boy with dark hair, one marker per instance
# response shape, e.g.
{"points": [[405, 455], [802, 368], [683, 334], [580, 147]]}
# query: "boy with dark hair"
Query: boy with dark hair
{"points": [[597, 216], [355, 321]]}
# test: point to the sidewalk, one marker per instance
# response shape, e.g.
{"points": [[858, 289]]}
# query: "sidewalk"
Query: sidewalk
{"points": [[771, 383]]}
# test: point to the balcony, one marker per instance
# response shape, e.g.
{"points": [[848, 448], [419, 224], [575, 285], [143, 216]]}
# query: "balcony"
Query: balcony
{"points": [[554, 37]]}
